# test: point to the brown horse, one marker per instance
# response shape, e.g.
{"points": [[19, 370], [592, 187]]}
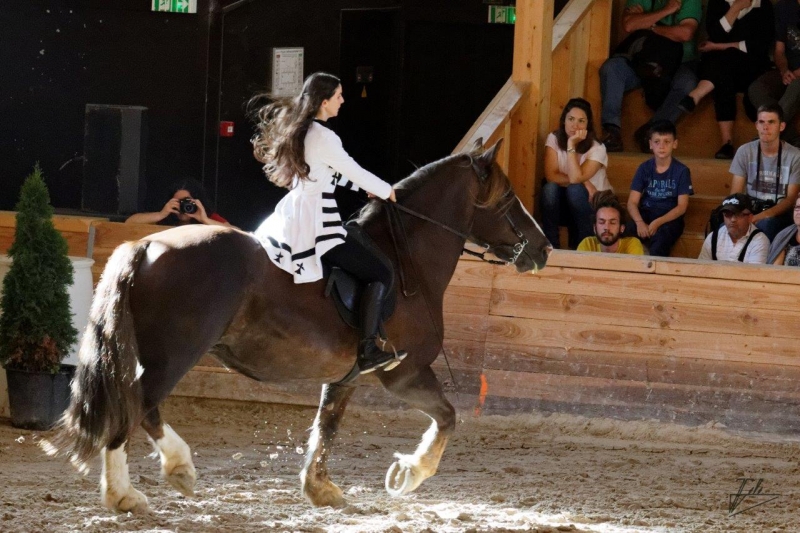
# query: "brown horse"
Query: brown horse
{"points": [[166, 300]]}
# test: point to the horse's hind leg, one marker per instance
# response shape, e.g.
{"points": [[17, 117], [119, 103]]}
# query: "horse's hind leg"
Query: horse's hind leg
{"points": [[176, 457], [116, 490], [317, 486], [420, 389]]}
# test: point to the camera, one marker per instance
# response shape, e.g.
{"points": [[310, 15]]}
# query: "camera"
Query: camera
{"points": [[187, 206]]}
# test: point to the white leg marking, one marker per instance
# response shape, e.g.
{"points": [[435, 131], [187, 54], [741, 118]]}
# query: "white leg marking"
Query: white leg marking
{"points": [[409, 471], [116, 490], [176, 461]]}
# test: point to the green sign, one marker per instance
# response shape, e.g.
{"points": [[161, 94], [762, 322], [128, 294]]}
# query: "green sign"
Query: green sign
{"points": [[502, 14], [175, 6]]}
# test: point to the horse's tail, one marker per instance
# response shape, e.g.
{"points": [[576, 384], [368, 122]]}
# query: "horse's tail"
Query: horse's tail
{"points": [[106, 393]]}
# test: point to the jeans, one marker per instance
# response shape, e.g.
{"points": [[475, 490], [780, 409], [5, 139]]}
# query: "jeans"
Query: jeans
{"points": [[771, 226], [617, 77], [566, 206]]}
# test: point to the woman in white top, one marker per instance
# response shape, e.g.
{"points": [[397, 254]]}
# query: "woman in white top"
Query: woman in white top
{"points": [[300, 153], [574, 170]]}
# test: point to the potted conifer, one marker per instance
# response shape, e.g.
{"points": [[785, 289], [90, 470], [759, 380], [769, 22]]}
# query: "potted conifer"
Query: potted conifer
{"points": [[36, 328]]}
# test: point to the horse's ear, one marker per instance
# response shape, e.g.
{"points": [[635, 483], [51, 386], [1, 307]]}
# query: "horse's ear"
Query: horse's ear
{"points": [[477, 146], [488, 157]]}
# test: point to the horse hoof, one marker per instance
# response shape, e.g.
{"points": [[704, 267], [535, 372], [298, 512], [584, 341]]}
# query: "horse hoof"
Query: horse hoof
{"points": [[183, 478], [324, 494], [402, 478], [132, 502]]}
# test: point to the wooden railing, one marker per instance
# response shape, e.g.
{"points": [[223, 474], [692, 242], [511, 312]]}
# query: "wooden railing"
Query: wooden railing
{"points": [[554, 60]]}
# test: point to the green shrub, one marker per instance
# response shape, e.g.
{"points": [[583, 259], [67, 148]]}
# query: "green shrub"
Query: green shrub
{"points": [[36, 323]]}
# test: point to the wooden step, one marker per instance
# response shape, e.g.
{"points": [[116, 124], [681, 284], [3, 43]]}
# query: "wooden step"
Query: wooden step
{"points": [[698, 133], [709, 176]]}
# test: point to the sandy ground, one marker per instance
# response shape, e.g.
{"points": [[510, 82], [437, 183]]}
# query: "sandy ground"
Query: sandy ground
{"points": [[520, 473]]}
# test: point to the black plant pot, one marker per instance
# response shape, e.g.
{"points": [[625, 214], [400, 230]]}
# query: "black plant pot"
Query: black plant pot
{"points": [[37, 399]]}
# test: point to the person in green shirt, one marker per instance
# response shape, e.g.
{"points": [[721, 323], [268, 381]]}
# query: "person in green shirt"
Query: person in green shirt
{"points": [[609, 226], [676, 20]]}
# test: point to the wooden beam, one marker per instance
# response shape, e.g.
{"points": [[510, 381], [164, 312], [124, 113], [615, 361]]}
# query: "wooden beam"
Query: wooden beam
{"points": [[533, 34], [570, 16], [495, 116]]}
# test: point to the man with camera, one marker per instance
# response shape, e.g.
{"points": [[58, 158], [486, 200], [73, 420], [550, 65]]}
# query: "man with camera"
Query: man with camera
{"points": [[185, 207], [737, 239], [768, 170]]}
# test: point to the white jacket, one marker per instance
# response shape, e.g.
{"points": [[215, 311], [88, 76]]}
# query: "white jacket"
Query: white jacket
{"points": [[306, 222]]}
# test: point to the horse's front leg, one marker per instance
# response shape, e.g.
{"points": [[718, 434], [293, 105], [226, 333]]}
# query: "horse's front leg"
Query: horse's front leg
{"points": [[317, 486], [420, 389]]}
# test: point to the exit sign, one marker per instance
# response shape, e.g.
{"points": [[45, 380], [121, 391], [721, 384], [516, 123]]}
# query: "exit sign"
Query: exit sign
{"points": [[175, 6], [502, 14]]}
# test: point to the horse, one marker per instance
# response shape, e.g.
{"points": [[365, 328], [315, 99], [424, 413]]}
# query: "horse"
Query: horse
{"points": [[166, 300]]}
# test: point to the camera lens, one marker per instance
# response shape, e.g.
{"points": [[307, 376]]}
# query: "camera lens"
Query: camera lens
{"points": [[187, 206]]}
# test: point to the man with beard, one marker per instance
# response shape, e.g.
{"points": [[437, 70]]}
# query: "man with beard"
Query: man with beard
{"points": [[608, 228], [738, 239]]}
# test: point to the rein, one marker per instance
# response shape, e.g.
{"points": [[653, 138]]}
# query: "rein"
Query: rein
{"points": [[395, 219]]}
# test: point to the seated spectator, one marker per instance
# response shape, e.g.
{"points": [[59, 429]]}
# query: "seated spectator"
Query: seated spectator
{"points": [[660, 193], [785, 249], [736, 53], [187, 205], [768, 170], [674, 20], [782, 85], [574, 170], [609, 224], [738, 239]]}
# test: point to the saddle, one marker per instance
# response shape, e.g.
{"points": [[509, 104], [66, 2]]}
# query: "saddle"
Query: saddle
{"points": [[346, 290]]}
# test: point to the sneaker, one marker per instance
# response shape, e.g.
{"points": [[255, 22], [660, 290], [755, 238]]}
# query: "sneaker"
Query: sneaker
{"points": [[726, 152], [642, 137], [613, 138], [687, 104]]}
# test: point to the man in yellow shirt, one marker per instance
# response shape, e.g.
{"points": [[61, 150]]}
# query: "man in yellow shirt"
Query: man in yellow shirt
{"points": [[608, 228]]}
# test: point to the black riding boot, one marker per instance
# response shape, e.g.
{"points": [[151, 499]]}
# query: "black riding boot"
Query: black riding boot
{"points": [[370, 356]]}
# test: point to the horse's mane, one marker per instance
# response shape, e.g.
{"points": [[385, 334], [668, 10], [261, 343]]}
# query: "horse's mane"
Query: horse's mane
{"points": [[494, 187]]}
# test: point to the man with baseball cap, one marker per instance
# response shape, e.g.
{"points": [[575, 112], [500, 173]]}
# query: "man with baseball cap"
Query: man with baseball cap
{"points": [[737, 239]]}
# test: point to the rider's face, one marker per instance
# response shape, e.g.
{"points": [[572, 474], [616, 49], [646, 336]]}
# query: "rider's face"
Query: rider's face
{"points": [[331, 106]]}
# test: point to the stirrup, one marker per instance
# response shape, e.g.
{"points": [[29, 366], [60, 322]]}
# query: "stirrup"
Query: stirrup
{"points": [[390, 363]]}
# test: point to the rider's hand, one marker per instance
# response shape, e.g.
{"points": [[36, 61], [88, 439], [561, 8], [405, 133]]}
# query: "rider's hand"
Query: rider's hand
{"points": [[392, 196]]}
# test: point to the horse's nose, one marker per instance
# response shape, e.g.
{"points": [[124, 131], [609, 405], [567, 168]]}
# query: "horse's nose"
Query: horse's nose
{"points": [[547, 250]]}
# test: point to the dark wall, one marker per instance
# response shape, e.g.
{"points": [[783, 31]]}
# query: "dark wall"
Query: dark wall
{"points": [[68, 54], [58, 56]]}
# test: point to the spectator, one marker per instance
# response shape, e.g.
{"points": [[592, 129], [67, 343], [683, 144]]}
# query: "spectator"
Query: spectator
{"points": [[785, 249], [609, 224], [574, 170], [738, 239], [660, 192], [675, 20], [768, 170], [782, 86], [187, 205], [737, 52]]}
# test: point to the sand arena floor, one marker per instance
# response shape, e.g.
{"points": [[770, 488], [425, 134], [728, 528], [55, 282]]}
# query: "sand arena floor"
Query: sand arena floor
{"points": [[521, 473]]}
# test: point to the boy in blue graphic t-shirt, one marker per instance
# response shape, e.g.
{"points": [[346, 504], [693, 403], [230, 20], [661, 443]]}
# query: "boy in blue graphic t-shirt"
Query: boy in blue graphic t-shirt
{"points": [[660, 192]]}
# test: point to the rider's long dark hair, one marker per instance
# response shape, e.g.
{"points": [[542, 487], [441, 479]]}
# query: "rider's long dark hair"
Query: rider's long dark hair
{"points": [[561, 133], [282, 125]]}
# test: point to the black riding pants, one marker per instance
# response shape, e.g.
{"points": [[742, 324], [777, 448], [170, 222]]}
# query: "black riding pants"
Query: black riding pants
{"points": [[356, 259]]}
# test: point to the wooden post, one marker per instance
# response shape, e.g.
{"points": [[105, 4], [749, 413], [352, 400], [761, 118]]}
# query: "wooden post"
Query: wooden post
{"points": [[533, 35]]}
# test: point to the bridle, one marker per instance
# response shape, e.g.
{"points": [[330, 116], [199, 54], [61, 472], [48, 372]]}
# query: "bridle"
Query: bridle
{"points": [[516, 249]]}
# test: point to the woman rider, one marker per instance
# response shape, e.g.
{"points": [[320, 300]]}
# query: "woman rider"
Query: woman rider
{"points": [[302, 154]]}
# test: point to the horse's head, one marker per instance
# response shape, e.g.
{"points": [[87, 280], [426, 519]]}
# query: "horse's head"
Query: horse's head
{"points": [[501, 224]]}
